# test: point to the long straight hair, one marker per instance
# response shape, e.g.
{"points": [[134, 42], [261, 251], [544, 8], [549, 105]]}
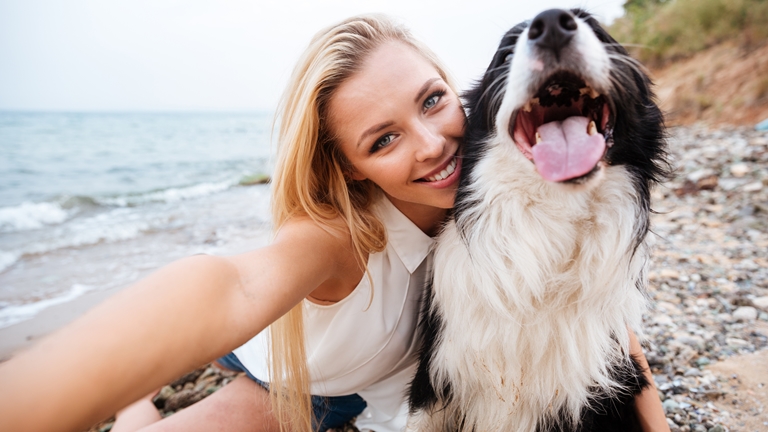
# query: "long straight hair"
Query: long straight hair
{"points": [[312, 178]]}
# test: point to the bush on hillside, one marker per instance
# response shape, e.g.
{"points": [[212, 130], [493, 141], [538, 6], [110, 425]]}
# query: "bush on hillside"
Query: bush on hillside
{"points": [[658, 31]]}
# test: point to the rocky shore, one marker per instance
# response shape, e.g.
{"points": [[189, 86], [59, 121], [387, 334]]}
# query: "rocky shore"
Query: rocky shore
{"points": [[709, 275], [708, 286]]}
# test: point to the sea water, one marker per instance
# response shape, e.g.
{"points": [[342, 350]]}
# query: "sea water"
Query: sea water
{"points": [[91, 201]]}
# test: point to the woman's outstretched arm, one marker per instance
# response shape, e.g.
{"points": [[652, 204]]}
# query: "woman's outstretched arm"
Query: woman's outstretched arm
{"points": [[182, 316]]}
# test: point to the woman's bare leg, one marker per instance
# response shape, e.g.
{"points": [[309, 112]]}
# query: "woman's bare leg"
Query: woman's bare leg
{"points": [[137, 415], [241, 405]]}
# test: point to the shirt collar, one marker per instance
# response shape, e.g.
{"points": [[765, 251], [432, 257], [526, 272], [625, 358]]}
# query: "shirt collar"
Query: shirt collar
{"points": [[410, 243]]}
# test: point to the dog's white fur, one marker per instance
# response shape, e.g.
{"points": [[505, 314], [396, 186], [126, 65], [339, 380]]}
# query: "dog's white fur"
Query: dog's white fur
{"points": [[547, 276]]}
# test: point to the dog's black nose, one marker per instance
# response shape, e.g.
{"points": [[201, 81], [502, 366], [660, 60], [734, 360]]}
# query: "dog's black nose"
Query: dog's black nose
{"points": [[553, 29]]}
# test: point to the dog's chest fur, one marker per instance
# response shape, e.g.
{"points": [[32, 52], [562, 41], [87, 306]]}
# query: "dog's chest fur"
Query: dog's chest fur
{"points": [[544, 278]]}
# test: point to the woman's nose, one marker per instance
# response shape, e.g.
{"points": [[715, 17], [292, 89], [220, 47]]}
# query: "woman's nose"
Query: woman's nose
{"points": [[430, 143]]}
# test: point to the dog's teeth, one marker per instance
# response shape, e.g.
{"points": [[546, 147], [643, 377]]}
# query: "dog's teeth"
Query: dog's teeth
{"points": [[591, 128], [594, 94], [527, 107], [584, 90], [538, 138]]}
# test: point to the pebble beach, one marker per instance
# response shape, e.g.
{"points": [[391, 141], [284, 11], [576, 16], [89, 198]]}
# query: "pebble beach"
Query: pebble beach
{"points": [[708, 282]]}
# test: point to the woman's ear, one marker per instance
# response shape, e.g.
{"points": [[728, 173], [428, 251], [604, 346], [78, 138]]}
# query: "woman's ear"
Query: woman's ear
{"points": [[349, 171], [355, 175]]}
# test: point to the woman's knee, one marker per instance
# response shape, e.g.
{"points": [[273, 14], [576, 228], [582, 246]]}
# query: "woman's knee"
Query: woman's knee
{"points": [[241, 405]]}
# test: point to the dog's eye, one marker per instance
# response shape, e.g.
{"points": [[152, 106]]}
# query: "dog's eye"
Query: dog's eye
{"points": [[508, 57]]}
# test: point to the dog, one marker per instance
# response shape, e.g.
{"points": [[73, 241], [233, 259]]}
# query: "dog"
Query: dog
{"points": [[540, 271]]}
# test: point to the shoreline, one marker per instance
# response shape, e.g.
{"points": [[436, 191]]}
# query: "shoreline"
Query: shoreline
{"points": [[229, 222]]}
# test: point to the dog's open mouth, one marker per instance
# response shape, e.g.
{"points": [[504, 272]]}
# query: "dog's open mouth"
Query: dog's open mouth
{"points": [[564, 128]]}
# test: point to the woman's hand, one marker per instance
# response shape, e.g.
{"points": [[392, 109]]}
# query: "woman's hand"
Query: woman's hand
{"points": [[647, 403], [180, 317]]}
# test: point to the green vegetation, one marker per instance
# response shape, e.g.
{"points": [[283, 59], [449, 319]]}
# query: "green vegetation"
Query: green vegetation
{"points": [[658, 31], [254, 179]]}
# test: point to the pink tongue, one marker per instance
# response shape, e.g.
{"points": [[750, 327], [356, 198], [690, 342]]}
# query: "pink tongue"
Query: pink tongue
{"points": [[567, 151]]}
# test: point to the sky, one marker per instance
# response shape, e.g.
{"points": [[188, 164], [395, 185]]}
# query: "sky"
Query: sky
{"points": [[222, 55]]}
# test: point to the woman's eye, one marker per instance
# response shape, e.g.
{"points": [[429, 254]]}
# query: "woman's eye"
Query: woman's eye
{"points": [[433, 99], [382, 142]]}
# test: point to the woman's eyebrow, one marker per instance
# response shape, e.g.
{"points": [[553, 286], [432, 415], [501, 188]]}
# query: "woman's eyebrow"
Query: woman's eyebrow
{"points": [[424, 88], [373, 130]]}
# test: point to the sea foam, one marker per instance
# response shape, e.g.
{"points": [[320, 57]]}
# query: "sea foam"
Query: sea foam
{"points": [[7, 259], [168, 195], [29, 216], [12, 314]]}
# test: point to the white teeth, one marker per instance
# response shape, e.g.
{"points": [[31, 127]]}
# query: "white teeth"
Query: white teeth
{"points": [[444, 173], [538, 138], [527, 107], [591, 128]]}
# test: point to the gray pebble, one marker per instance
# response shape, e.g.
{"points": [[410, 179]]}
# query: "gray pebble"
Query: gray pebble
{"points": [[693, 372], [670, 405], [745, 313]]}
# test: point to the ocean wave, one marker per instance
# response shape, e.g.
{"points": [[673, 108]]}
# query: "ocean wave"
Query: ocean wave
{"points": [[12, 314], [115, 225], [112, 226], [28, 216], [90, 222], [78, 202], [167, 195], [7, 259]]}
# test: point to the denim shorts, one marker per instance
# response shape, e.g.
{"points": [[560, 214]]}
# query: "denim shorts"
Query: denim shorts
{"points": [[330, 411]]}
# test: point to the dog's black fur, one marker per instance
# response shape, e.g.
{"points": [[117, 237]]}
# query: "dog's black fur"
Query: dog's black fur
{"points": [[638, 139]]}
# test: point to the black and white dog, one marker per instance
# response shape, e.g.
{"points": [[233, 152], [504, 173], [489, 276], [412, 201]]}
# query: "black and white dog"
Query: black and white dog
{"points": [[541, 271]]}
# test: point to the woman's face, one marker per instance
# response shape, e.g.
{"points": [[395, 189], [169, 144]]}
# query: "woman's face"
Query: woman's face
{"points": [[400, 126]]}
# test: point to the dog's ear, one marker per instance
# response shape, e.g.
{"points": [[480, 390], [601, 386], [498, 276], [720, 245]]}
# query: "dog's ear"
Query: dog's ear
{"points": [[484, 98]]}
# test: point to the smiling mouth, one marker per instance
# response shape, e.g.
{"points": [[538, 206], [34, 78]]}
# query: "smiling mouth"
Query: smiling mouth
{"points": [[565, 129], [443, 174]]}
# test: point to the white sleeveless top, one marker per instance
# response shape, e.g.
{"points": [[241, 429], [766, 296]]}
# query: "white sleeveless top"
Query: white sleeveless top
{"points": [[369, 350]]}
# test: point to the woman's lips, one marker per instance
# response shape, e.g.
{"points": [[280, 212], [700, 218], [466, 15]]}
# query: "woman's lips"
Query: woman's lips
{"points": [[446, 176], [445, 172]]}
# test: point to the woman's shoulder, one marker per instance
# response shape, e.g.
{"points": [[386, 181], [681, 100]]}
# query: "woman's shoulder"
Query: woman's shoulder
{"points": [[306, 235], [329, 242], [304, 255], [333, 231]]}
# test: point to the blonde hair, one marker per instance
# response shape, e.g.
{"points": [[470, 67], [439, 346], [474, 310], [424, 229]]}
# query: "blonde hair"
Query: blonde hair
{"points": [[312, 179]]}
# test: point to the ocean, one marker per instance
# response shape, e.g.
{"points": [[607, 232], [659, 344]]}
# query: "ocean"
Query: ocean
{"points": [[93, 201]]}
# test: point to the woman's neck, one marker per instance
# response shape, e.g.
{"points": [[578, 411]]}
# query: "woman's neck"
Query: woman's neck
{"points": [[429, 219]]}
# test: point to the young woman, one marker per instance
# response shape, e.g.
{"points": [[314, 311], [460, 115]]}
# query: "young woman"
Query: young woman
{"points": [[369, 137]]}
